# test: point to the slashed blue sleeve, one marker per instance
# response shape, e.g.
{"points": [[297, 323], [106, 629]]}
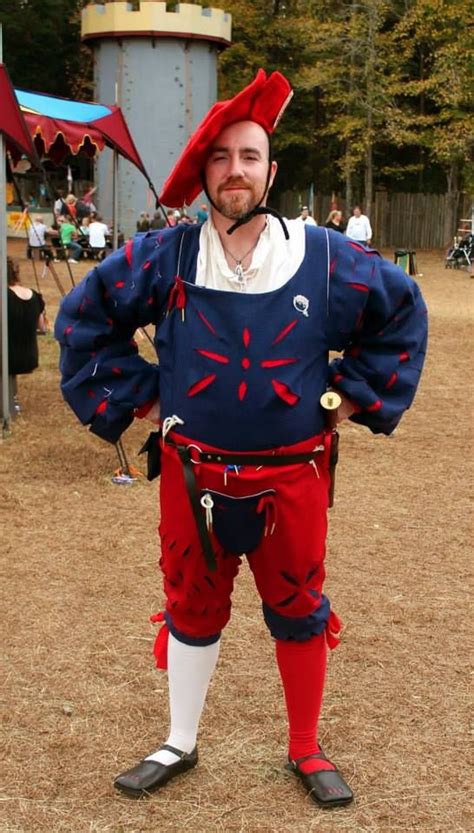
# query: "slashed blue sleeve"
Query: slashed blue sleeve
{"points": [[378, 320], [104, 378]]}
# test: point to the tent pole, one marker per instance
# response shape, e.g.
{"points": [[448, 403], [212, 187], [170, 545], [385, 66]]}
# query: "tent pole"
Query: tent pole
{"points": [[5, 412], [115, 201]]}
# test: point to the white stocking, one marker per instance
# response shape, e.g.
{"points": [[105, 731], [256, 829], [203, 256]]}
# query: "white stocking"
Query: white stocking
{"points": [[190, 670]]}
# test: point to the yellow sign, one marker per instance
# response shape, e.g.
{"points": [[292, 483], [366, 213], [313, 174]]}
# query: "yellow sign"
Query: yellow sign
{"points": [[17, 220]]}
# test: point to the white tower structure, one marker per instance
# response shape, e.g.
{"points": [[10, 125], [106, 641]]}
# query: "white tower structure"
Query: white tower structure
{"points": [[160, 67]]}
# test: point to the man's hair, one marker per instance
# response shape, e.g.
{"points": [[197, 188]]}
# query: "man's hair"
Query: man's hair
{"points": [[13, 271]]}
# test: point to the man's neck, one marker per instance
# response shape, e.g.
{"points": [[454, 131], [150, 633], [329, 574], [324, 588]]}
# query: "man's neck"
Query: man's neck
{"points": [[243, 238]]}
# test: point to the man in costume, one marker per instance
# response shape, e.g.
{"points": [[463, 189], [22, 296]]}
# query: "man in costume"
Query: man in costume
{"points": [[246, 307]]}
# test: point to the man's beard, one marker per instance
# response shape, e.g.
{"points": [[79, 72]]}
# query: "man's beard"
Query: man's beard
{"points": [[232, 205]]}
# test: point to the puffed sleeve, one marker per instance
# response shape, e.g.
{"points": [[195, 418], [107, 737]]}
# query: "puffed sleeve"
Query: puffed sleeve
{"points": [[104, 378], [378, 320]]}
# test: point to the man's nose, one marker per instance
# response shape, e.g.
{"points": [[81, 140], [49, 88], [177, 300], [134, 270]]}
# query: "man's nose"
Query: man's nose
{"points": [[235, 165]]}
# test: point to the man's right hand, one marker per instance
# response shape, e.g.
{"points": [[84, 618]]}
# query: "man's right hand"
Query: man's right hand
{"points": [[153, 414]]}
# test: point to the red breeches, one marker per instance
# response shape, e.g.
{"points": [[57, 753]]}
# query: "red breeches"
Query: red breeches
{"points": [[287, 562]]}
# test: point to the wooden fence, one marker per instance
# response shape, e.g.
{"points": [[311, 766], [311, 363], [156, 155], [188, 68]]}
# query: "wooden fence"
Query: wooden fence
{"points": [[408, 221]]}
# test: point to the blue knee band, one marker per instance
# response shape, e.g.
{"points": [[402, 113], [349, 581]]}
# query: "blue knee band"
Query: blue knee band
{"points": [[298, 628], [190, 640]]}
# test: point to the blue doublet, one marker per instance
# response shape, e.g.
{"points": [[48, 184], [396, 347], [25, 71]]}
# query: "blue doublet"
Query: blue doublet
{"points": [[244, 371]]}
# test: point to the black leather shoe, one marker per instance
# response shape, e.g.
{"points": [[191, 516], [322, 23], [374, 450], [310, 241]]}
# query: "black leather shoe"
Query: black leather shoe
{"points": [[326, 787], [148, 776]]}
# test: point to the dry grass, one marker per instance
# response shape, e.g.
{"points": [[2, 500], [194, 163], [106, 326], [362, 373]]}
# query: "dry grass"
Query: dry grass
{"points": [[81, 700]]}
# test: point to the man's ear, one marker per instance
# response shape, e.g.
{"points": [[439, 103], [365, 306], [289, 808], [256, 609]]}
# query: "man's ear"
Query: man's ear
{"points": [[273, 170]]}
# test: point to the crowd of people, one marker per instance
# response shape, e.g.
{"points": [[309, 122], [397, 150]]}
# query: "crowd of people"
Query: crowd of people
{"points": [[357, 228], [172, 217], [78, 230]]}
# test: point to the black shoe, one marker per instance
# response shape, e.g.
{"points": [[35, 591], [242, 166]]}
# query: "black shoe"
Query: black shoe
{"points": [[148, 776], [326, 787]]}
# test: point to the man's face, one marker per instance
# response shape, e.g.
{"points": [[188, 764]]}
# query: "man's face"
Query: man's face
{"points": [[304, 213], [237, 168], [357, 212]]}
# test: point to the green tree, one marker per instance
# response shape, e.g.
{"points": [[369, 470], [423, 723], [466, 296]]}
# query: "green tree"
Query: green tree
{"points": [[384, 89], [42, 47], [355, 68], [273, 34], [435, 93]]}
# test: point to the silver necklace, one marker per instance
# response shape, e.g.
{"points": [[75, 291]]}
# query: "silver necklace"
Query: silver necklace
{"points": [[238, 268]]}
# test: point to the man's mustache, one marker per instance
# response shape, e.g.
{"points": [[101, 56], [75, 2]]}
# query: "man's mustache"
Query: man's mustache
{"points": [[234, 183]]}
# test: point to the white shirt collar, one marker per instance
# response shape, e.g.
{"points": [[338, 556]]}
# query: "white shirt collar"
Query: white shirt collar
{"points": [[274, 260]]}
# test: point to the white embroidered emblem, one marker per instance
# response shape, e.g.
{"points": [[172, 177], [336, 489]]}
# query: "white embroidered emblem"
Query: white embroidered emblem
{"points": [[301, 304]]}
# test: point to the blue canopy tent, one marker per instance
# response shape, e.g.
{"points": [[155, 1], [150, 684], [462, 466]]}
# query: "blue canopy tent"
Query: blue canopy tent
{"points": [[34, 124]]}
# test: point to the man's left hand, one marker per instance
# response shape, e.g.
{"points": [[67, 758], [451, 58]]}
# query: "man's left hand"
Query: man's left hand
{"points": [[345, 410]]}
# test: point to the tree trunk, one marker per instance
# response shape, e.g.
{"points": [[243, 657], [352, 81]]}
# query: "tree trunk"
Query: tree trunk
{"points": [[348, 179], [369, 178], [452, 202], [348, 165], [369, 104]]}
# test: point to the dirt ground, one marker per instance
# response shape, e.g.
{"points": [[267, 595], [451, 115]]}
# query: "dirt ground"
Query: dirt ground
{"points": [[81, 700]]}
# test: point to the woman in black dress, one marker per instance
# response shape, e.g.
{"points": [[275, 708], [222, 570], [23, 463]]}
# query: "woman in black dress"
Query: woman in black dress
{"points": [[25, 317]]}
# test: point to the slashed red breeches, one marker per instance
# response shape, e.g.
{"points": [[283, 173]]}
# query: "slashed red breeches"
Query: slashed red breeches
{"points": [[288, 505]]}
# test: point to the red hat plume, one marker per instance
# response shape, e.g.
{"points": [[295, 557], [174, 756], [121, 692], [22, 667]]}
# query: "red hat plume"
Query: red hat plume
{"points": [[263, 101]]}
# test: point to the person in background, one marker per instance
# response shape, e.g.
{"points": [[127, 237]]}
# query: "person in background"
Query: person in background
{"points": [[359, 228], [87, 199], [68, 235], [39, 237], [84, 228], [25, 318], [36, 232], [334, 221], [43, 194], [247, 309], [70, 207], [59, 205], [98, 231], [202, 213], [83, 235], [157, 221], [171, 218], [83, 210], [305, 216], [143, 222]]}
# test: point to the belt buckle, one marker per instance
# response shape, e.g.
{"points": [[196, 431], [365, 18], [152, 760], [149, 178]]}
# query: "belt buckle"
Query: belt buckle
{"points": [[198, 451]]}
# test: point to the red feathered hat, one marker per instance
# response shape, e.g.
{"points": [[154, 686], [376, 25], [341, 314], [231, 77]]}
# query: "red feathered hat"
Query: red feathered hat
{"points": [[263, 101]]}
